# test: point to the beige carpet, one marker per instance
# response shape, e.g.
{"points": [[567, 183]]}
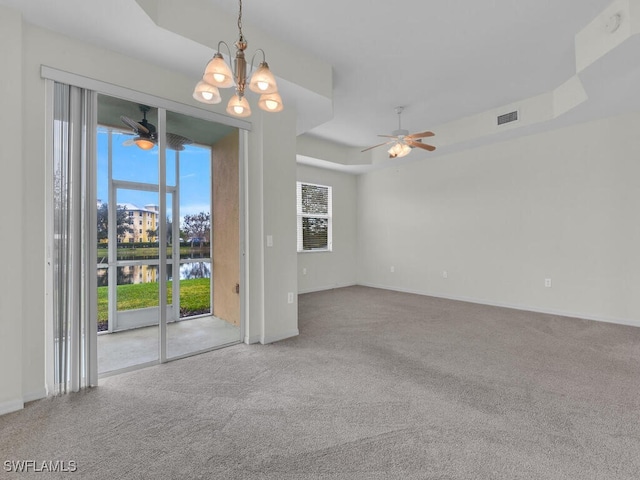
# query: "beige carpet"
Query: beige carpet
{"points": [[379, 385]]}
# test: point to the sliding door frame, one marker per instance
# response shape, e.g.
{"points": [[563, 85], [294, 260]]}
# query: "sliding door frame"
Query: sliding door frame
{"points": [[163, 105]]}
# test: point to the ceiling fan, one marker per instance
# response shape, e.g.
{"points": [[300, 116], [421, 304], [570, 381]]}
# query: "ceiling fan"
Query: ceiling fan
{"points": [[403, 141], [147, 135]]}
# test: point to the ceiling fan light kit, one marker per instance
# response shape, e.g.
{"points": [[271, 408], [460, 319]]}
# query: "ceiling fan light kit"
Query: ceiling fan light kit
{"points": [[399, 150], [403, 141], [218, 74], [144, 143]]}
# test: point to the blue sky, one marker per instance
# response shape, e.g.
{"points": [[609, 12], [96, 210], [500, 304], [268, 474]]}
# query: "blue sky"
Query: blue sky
{"points": [[131, 163]]}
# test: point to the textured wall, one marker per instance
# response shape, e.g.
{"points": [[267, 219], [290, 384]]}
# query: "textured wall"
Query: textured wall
{"points": [[226, 229]]}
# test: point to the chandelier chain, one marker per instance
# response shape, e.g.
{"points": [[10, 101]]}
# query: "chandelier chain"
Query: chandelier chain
{"points": [[240, 18]]}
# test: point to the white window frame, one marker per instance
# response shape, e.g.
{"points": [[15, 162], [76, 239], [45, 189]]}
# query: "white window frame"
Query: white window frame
{"points": [[301, 215]]}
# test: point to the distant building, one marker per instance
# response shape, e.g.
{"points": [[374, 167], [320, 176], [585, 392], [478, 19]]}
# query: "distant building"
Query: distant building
{"points": [[143, 220]]}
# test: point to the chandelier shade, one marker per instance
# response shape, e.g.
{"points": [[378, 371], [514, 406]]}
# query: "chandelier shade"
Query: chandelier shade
{"points": [[238, 107], [270, 102], [207, 93], [218, 74], [263, 81]]}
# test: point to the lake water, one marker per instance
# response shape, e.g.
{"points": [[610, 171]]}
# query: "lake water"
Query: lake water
{"points": [[132, 274]]}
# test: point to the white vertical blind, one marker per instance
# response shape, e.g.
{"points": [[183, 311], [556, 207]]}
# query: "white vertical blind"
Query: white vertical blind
{"points": [[73, 256]]}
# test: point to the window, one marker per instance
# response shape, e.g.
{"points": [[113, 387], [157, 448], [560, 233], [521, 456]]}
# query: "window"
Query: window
{"points": [[314, 217]]}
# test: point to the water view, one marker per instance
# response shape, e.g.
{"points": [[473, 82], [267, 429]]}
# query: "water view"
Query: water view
{"points": [[136, 274]]}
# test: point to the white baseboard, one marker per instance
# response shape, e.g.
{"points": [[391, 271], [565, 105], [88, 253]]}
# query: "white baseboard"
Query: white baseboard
{"points": [[252, 339], [11, 406], [281, 336], [527, 308], [271, 338], [326, 287], [35, 395]]}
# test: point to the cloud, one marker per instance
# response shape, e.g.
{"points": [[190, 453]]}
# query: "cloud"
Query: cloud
{"points": [[194, 208]]}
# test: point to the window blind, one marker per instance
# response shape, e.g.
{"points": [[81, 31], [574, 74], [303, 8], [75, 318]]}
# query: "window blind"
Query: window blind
{"points": [[314, 217]]}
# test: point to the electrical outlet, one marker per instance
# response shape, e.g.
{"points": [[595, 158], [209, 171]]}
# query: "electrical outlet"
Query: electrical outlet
{"points": [[269, 240], [393, 269], [547, 282], [445, 274], [304, 271], [290, 297]]}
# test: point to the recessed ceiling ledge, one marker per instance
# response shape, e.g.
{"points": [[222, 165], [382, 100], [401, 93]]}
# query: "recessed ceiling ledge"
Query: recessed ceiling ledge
{"points": [[304, 80]]}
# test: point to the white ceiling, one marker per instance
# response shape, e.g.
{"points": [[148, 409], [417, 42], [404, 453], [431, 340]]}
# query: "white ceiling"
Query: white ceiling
{"points": [[442, 60]]}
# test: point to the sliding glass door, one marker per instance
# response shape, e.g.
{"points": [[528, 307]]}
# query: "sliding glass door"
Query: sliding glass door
{"points": [[168, 235]]}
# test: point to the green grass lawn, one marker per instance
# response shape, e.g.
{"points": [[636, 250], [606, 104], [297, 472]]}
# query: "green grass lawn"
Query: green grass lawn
{"points": [[194, 297]]}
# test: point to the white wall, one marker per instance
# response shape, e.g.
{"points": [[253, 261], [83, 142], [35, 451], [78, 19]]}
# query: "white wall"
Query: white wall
{"points": [[279, 147], [11, 223], [325, 270], [500, 219], [23, 310]]}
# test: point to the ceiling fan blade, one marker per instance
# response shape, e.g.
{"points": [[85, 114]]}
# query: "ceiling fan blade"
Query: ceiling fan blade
{"points": [[421, 135], [177, 142], [134, 125], [375, 146], [389, 136], [424, 146]]}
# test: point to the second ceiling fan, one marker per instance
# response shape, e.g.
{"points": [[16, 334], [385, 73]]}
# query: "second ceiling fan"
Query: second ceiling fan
{"points": [[147, 135], [403, 141]]}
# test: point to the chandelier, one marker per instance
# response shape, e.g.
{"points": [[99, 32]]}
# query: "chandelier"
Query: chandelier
{"points": [[218, 74]]}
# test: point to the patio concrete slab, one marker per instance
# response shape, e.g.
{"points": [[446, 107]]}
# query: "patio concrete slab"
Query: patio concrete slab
{"points": [[140, 345]]}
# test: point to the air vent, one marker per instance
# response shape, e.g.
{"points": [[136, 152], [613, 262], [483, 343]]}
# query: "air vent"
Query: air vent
{"points": [[508, 117]]}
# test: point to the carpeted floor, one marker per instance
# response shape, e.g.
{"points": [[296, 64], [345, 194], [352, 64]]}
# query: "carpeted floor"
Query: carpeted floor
{"points": [[379, 385]]}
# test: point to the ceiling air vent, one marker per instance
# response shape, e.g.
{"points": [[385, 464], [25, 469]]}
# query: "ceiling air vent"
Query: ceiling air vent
{"points": [[508, 117]]}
